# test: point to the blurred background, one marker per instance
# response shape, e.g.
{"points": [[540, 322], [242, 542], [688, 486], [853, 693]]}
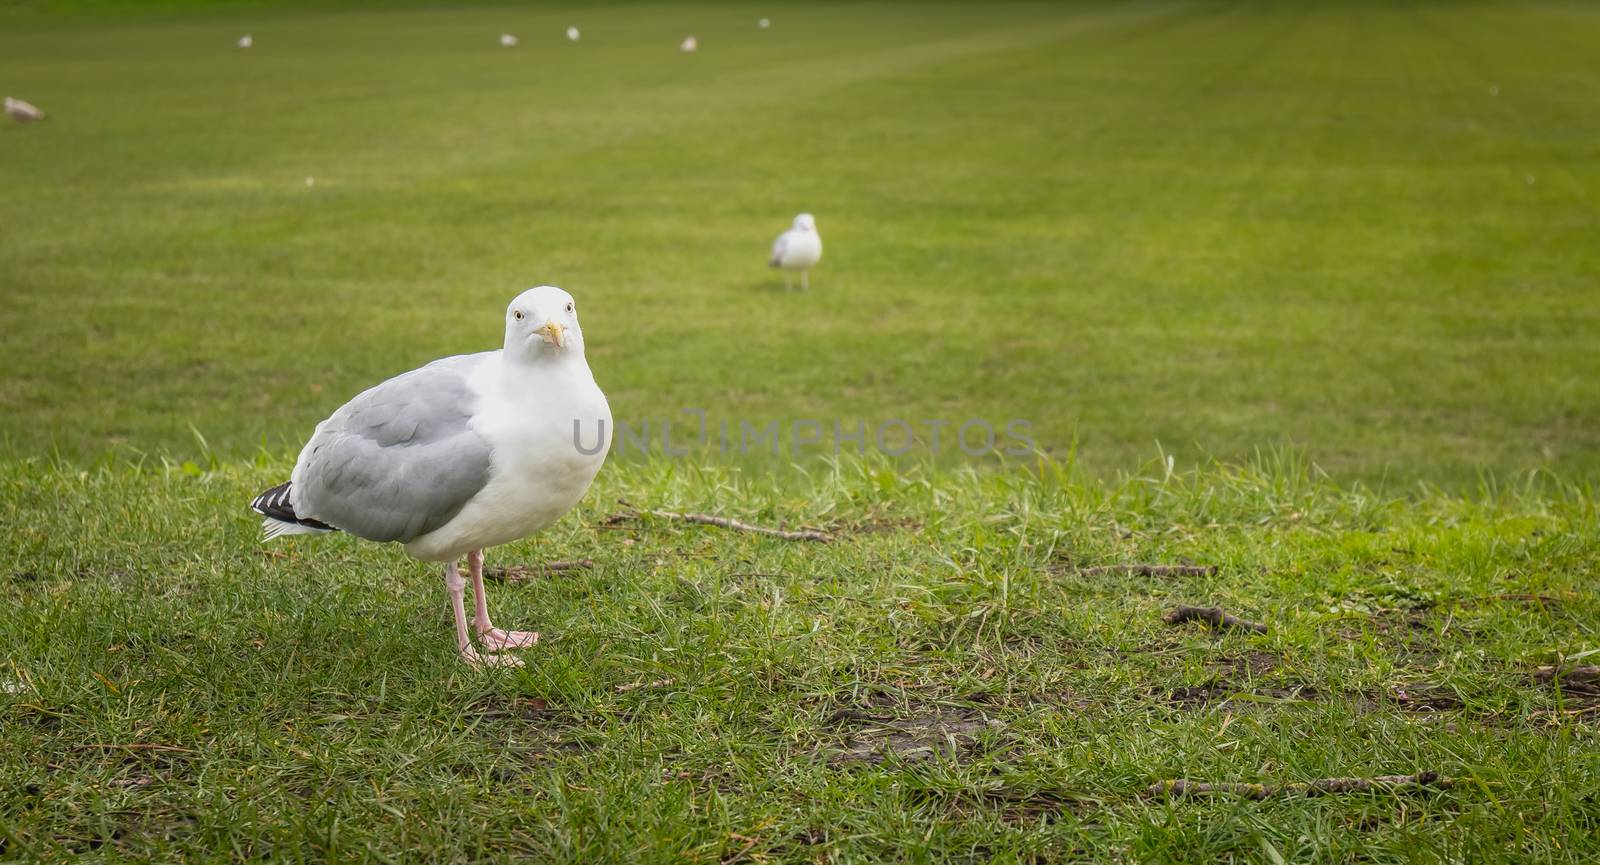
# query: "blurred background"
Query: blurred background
{"points": [[1365, 232]]}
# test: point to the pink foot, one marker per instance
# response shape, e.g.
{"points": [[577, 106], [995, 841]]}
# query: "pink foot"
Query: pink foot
{"points": [[481, 660], [498, 640]]}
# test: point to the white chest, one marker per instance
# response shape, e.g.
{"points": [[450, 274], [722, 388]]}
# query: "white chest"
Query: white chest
{"points": [[549, 447], [549, 435], [802, 250]]}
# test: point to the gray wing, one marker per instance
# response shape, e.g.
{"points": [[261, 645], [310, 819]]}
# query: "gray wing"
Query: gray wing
{"points": [[399, 460], [779, 247]]}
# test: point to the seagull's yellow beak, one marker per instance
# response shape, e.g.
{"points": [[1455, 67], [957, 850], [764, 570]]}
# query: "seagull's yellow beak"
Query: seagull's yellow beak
{"points": [[554, 332]]}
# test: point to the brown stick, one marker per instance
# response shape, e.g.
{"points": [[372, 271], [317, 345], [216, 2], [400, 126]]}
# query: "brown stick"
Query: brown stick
{"points": [[1213, 616], [634, 686], [519, 573], [721, 522], [1181, 787], [1151, 570]]}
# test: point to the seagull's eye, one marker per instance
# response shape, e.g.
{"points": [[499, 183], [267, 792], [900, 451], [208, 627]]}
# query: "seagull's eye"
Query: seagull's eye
{"points": [[516, 314], [569, 307]]}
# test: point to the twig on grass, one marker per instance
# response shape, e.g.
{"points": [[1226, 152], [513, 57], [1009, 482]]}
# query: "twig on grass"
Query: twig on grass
{"points": [[749, 843], [517, 573], [634, 513], [634, 686], [1151, 570], [1552, 716], [1181, 787], [1213, 616]]}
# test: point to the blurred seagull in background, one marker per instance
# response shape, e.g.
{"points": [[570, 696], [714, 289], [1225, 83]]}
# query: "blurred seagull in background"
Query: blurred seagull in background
{"points": [[468, 452], [23, 112], [690, 45], [764, 23], [799, 248], [507, 40], [246, 41], [572, 33]]}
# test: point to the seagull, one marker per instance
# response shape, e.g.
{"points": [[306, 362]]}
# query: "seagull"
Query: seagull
{"points": [[764, 23], [689, 45], [464, 453], [23, 112], [572, 33], [799, 248], [245, 41], [507, 40]]}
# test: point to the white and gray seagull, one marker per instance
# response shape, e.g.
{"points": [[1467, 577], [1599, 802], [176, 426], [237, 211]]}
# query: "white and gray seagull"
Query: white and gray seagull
{"points": [[22, 112], [465, 453], [799, 248]]}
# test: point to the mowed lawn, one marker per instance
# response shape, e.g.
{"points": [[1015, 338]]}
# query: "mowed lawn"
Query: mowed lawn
{"points": [[1366, 231], [1338, 260], [949, 680]]}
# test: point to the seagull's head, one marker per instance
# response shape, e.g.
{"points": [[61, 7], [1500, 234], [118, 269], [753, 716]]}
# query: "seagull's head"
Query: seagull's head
{"points": [[805, 222], [542, 324]]}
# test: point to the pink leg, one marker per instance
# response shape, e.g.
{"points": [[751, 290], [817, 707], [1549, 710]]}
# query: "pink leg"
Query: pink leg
{"points": [[492, 638], [456, 586]]}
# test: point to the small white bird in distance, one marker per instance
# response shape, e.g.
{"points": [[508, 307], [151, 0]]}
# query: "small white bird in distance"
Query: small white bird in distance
{"points": [[572, 33], [507, 40], [689, 45], [799, 248], [764, 23], [246, 41], [23, 112]]}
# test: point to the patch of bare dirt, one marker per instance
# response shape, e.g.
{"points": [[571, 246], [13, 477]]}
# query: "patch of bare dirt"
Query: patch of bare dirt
{"points": [[1236, 679], [910, 732], [1425, 698], [1579, 688], [1247, 666], [1579, 681]]}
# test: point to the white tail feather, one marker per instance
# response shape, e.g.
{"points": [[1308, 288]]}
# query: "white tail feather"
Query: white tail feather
{"points": [[272, 528]]}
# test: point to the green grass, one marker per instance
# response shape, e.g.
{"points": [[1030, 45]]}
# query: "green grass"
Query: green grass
{"points": [[314, 691], [1214, 226], [1361, 234]]}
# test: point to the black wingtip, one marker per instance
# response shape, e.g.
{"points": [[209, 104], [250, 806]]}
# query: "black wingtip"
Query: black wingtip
{"points": [[275, 503]]}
